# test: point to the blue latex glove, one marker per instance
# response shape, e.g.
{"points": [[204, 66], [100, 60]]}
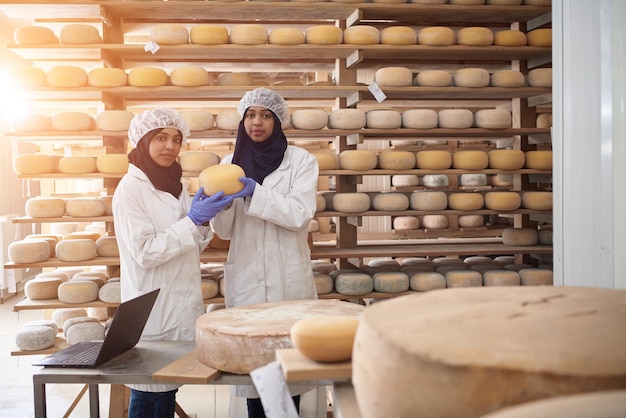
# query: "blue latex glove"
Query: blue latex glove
{"points": [[204, 208], [248, 187]]}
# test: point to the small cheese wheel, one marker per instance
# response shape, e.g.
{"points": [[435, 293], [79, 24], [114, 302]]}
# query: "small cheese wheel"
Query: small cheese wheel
{"points": [[419, 119], [78, 291], [428, 200], [471, 77], [32, 122], [208, 34], [424, 281], [433, 78], [536, 277], [470, 159], [391, 282], [396, 160], [112, 163], [435, 221], [404, 180], [221, 177], [198, 120], [493, 119], [45, 207], [325, 161], [77, 165], [358, 160], [309, 119], [435, 180], [544, 120], [34, 35], [509, 37], [504, 201], [383, 119], [473, 179], [85, 332], [78, 320], [361, 35], [82, 235], [436, 36], [36, 337], [506, 159], [110, 292], [474, 36], [324, 35], [325, 338], [169, 34], [29, 251], [347, 119], [537, 200], [390, 201], [72, 250], [228, 120], [545, 236], [455, 118], [467, 2], [34, 164], [501, 278], [59, 316], [519, 236], [393, 77], [84, 207], [248, 34], [398, 35], [79, 33], [42, 288], [351, 202], [471, 221], [323, 282], [190, 76], [404, 223], [235, 79], [147, 77], [63, 276], [25, 76], [107, 247], [72, 121], [64, 76], [508, 78], [540, 37], [539, 160], [114, 120], [107, 77], [466, 201], [210, 288], [463, 278], [196, 161], [505, 2], [354, 284], [433, 159], [286, 36], [540, 77]]}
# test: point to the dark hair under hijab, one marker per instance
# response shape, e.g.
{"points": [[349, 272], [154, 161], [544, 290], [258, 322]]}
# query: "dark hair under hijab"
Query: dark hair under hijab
{"points": [[166, 179], [258, 159]]}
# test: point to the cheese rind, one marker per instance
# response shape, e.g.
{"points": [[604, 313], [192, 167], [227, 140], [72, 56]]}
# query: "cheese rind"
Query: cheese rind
{"points": [[324, 35], [493, 119], [73, 250], [428, 200], [248, 34], [79, 33], [455, 118], [433, 78], [45, 207], [474, 36], [383, 119], [29, 251], [208, 34], [78, 292], [503, 201], [506, 159], [347, 119], [470, 159], [390, 201], [114, 120], [84, 207], [396, 160], [419, 119], [64, 76], [35, 337], [107, 77], [351, 202], [354, 284], [190, 76], [433, 159], [465, 201], [196, 161], [147, 77], [33, 35], [520, 236], [394, 76], [509, 37], [309, 119], [112, 163], [325, 338], [436, 36], [286, 36], [78, 165], [361, 35], [398, 35], [471, 77], [169, 34]]}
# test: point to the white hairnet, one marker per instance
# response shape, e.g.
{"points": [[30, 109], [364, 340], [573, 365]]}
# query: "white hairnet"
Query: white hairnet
{"points": [[268, 99], [157, 118]]}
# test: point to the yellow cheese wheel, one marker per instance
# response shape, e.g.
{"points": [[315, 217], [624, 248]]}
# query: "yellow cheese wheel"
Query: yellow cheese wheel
{"points": [[324, 35], [79, 33], [358, 160], [361, 35], [351, 202], [435, 221], [235, 79], [190, 76], [72, 121], [198, 120], [147, 77], [537, 200], [501, 278], [25, 76], [82, 235], [112, 163], [540, 37], [536, 277], [470, 159], [248, 34], [196, 161], [325, 338], [436, 36], [320, 203], [405, 223], [347, 119], [493, 118], [45, 207], [33, 35], [466, 201], [29, 251], [169, 34], [420, 119], [540, 77], [506, 159], [538, 160], [508, 78], [107, 247], [509, 37], [398, 35], [78, 292], [84, 207], [66, 76], [107, 77], [433, 78], [32, 122], [519, 236], [383, 119], [286, 36], [77, 165], [504, 201], [396, 160], [34, 164], [428, 200], [544, 120], [474, 36], [471, 77], [208, 34], [423, 281], [73, 250], [393, 76], [42, 288], [390, 201], [325, 161], [455, 118], [433, 159], [309, 119], [463, 278], [114, 120], [228, 120], [221, 177]]}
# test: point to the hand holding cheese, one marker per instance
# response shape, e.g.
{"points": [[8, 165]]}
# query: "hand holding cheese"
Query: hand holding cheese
{"points": [[248, 187], [204, 208], [221, 177]]}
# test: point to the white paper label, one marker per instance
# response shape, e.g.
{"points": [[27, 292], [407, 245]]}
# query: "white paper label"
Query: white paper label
{"points": [[272, 387], [152, 47], [377, 92]]}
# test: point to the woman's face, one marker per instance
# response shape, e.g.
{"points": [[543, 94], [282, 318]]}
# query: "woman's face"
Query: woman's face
{"points": [[165, 146], [259, 123]]}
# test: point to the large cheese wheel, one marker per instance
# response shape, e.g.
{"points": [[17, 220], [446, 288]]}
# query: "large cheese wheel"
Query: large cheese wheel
{"points": [[419, 119], [493, 118], [78, 291], [147, 77], [84, 207], [535, 277], [35, 337], [511, 374], [354, 284], [540, 77], [25, 76], [31, 122], [64, 76], [198, 120], [110, 292], [347, 119], [235, 79], [79, 33], [455, 118], [190, 76], [474, 36], [72, 250], [466, 201], [29, 251], [428, 200], [398, 35], [45, 207], [403, 223], [208, 34], [248, 34], [435, 180], [471, 77], [261, 330], [72, 121], [505, 159], [501, 278], [324, 35], [169, 34], [433, 78], [33, 35], [383, 119], [107, 247], [358, 160], [540, 37], [433, 159], [537, 200], [504, 201], [114, 120], [361, 35], [435, 221], [351, 202], [393, 77], [325, 161], [508, 78], [112, 163], [396, 160], [107, 77], [540, 160], [470, 159], [77, 165], [221, 177], [519, 236], [286, 36], [390, 201], [509, 37], [325, 338], [309, 119], [42, 288], [196, 161], [436, 36]]}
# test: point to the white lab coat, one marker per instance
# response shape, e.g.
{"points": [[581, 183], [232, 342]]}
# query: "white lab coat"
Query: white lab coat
{"points": [[159, 248]]}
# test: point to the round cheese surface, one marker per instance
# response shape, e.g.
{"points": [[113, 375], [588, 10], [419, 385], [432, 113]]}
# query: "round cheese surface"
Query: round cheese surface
{"points": [[540, 37], [394, 76], [80, 249], [169, 34], [383, 119], [509, 37], [396, 160], [221, 177], [208, 34], [505, 201], [29, 251], [471, 77], [428, 200], [470, 159], [358, 160], [456, 118], [45, 207], [508, 78], [84, 207], [361, 35], [112, 163], [540, 77], [286, 36], [325, 338], [107, 77], [351, 202], [78, 165], [433, 159], [309, 119], [506, 159], [248, 34], [419, 119], [198, 120], [196, 161], [114, 120]]}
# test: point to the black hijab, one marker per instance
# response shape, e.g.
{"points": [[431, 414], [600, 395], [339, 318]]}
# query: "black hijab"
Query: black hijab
{"points": [[258, 159], [166, 179]]}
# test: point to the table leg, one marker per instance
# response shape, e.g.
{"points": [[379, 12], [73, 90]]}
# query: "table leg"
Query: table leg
{"points": [[94, 401], [39, 396]]}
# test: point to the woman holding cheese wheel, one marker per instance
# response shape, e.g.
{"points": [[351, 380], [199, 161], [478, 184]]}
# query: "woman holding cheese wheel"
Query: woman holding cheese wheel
{"points": [[160, 233], [269, 259]]}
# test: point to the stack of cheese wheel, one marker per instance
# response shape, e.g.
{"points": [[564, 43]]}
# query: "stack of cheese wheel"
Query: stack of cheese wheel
{"points": [[198, 120], [72, 121], [114, 120], [208, 34], [361, 35], [25, 76], [147, 77], [112, 163], [470, 159], [77, 165], [107, 77], [393, 77], [309, 119], [261, 330], [347, 119], [420, 119], [80, 33], [359, 160], [64, 76], [190, 76], [169, 34], [383, 119], [436, 36], [286, 36], [509, 37], [33, 35], [398, 35], [248, 34], [324, 35], [455, 118], [510, 373], [433, 78], [471, 77], [474, 36], [45, 207], [196, 161]]}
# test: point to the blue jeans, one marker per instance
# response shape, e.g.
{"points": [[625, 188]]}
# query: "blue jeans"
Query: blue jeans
{"points": [[152, 404]]}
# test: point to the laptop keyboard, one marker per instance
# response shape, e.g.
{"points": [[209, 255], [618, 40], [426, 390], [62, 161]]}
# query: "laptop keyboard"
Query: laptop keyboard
{"points": [[84, 357]]}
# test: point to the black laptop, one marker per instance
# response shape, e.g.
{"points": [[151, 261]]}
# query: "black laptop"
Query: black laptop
{"points": [[124, 333]]}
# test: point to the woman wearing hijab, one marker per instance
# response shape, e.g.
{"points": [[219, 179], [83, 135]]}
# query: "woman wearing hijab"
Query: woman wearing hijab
{"points": [[160, 233], [269, 259]]}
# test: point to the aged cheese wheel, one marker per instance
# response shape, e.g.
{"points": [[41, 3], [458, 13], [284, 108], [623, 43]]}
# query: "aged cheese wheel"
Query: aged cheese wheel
{"points": [[404, 180], [79, 33], [84, 207], [169, 34], [509, 37], [147, 77], [248, 34], [501, 278], [112, 163], [82, 235], [383, 119], [210, 288], [354, 284], [80, 249], [544, 120], [309, 119], [59, 316], [539, 160], [84, 332], [519, 236], [325, 161], [471, 221], [110, 292], [508, 78], [493, 119], [72, 121], [323, 283], [26, 77], [463, 278], [545, 236], [31, 122], [465, 201], [537, 200], [428, 200], [66, 76], [436, 36], [228, 120], [35, 337], [34, 164], [393, 77], [398, 35], [198, 120], [325, 338], [78, 291], [540, 37], [455, 118], [351, 202], [347, 119], [361, 35], [504, 201], [358, 160], [45, 207], [404, 223], [396, 160], [63, 276], [106, 246], [390, 201], [424, 281], [433, 78], [42, 288], [435, 221], [506, 159], [196, 161], [535, 277], [114, 120], [286, 36], [221, 177], [474, 36], [540, 77], [261, 330], [77, 165], [77, 320], [208, 34], [107, 77], [235, 79], [471, 77], [473, 179], [391, 282], [29, 251], [190, 76], [324, 35], [435, 180], [433, 159], [419, 119], [470, 159], [33, 35]]}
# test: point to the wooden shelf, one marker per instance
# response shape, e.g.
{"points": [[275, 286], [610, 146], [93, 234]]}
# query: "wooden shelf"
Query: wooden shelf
{"points": [[61, 176], [434, 212], [27, 304], [29, 220], [421, 172], [54, 262]]}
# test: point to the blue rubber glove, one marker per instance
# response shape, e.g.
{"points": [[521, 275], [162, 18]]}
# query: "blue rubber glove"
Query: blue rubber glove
{"points": [[204, 208], [248, 187]]}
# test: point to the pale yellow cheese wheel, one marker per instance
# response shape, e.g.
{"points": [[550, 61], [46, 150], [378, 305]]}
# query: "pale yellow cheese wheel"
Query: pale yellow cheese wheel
{"points": [[198, 120], [190, 76], [509, 37], [107, 77], [228, 120], [383, 119], [309, 119], [72, 121], [114, 120], [536, 277], [320, 203], [423, 281], [435, 221], [420, 119], [433, 159], [210, 288], [351, 202], [208, 34], [504, 201], [169, 34], [493, 118], [78, 291], [33, 164], [428, 200], [77, 165], [79, 33], [325, 338], [196, 161], [106, 246], [544, 120], [33, 122], [108, 204], [73, 250], [325, 161], [539, 160], [42, 288], [147, 77], [77, 320], [520, 236], [463, 278], [465, 201], [82, 235], [235, 79], [390, 201], [540, 37], [540, 77], [506, 159], [396, 160], [221, 177], [29, 251], [358, 160], [436, 36], [361, 35], [33, 35], [347, 119], [324, 35], [508, 78], [471, 77], [248, 34], [112, 163], [286, 36], [393, 76], [84, 207], [433, 78], [398, 35], [537, 200], [470, 159], [45, 207], [66, 76], [455, 118], [110, 292], [25, 76], [474, 36], [501, 278], [403, 223], [471, 221]]}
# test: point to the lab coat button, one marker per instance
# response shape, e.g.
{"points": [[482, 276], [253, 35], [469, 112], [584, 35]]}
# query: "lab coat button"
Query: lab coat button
{"points": [[258, 251], [262, 283]]}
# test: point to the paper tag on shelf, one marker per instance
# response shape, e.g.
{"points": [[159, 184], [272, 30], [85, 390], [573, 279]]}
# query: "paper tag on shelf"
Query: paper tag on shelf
{"points": [[377, 92], [151, 47], [275, 397]]}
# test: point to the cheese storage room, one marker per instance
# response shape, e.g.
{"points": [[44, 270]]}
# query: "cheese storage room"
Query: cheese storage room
{"points": [[349, 209]]}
